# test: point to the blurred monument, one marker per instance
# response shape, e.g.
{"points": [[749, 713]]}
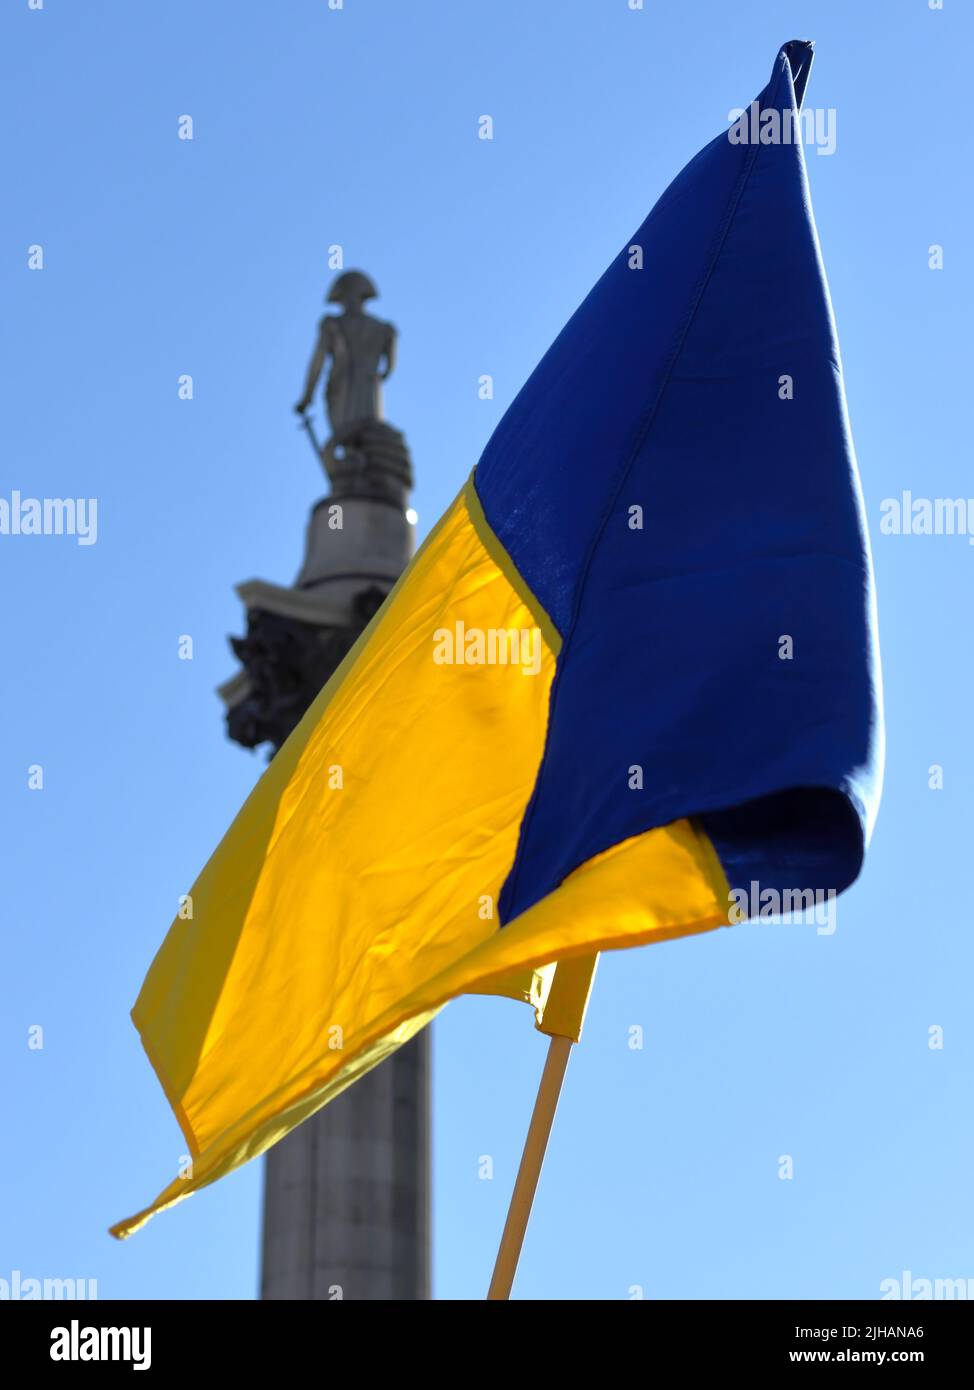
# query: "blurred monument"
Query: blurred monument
{"points": [[346, 1199]]}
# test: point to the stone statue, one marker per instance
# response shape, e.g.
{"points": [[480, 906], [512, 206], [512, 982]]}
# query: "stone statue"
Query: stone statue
{"points": [[362, 350], [365, 456]]}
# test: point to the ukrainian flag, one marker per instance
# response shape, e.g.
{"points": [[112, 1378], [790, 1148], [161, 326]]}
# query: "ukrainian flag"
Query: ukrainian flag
{"points": [[632, 672]]}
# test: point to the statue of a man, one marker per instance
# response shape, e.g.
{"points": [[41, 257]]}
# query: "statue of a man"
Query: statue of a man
{"points": [[362, 350]]}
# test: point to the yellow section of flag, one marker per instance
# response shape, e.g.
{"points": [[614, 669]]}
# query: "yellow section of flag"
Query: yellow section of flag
{"points": [[355, 892]]}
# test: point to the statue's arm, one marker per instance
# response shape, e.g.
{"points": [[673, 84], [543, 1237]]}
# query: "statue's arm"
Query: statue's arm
{"points": [[390, 353], [314, 367]]}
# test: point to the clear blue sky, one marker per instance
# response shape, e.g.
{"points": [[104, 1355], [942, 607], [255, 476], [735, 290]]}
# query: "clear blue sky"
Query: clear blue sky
{"points": [[165, 257]]}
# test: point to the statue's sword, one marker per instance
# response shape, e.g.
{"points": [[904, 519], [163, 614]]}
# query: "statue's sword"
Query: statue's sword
{"points": [[310, 429]]}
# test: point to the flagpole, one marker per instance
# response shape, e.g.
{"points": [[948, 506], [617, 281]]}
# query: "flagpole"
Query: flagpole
{"points": [[559, 1051]]}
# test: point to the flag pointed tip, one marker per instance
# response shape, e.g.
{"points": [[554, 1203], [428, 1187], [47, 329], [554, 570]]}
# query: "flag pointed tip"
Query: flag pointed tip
{"points": [[800, 54]]}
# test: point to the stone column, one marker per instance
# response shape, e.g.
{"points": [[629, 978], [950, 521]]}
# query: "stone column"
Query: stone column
{"points": [[346, 1194]]}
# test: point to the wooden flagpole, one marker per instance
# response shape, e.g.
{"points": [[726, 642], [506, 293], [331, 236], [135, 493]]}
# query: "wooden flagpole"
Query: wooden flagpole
{"points": [[559, 1051]]}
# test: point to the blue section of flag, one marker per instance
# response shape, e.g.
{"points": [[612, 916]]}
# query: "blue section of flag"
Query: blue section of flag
{"points": [[719, 655]]}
